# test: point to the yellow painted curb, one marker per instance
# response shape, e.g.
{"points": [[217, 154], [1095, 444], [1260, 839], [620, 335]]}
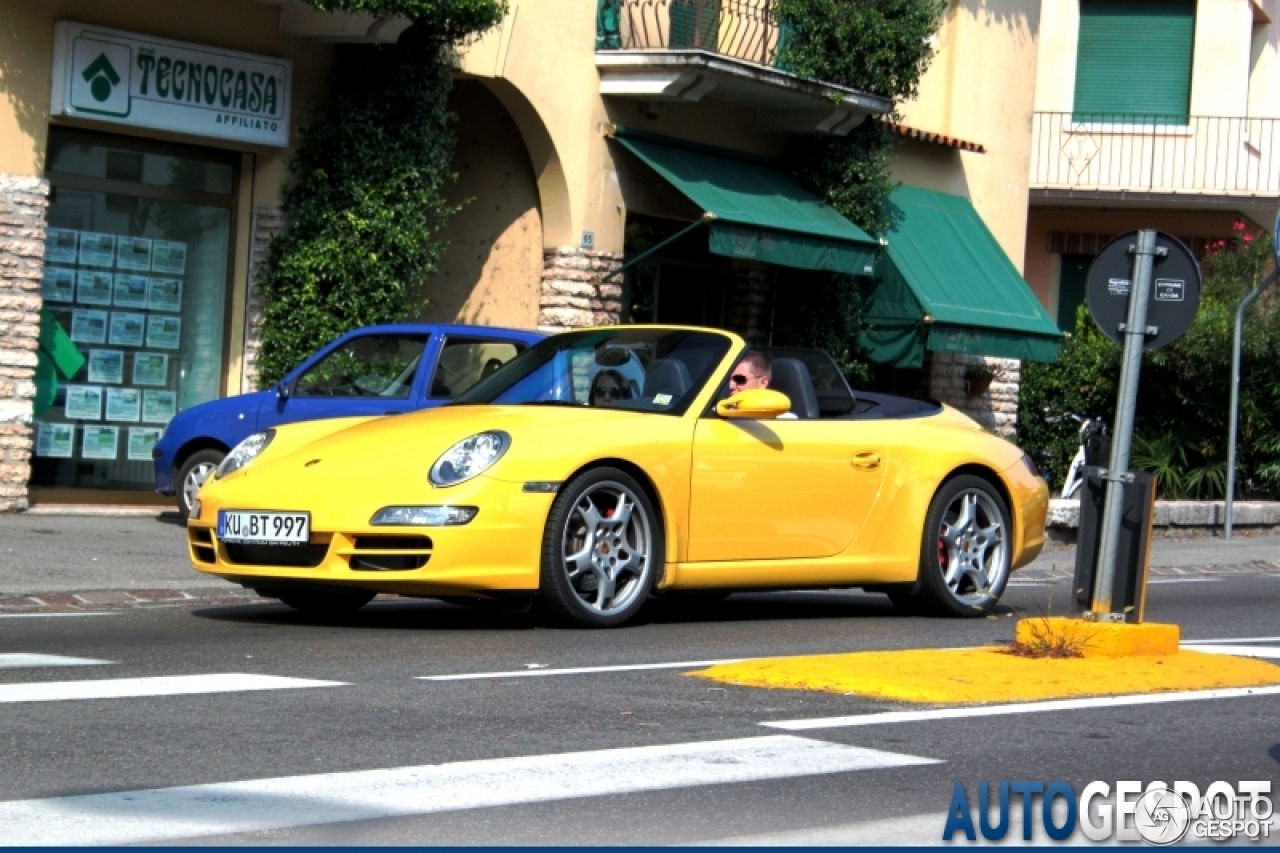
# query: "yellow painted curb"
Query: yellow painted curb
{"points": [[1099, 639], [958, 676]]}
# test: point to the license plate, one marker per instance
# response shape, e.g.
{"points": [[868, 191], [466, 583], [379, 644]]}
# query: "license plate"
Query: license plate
{"points": [[264, 528]]}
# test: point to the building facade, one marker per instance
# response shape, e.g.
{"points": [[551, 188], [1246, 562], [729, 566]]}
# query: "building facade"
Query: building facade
{"points": [[1162, 114], [144, 145]]}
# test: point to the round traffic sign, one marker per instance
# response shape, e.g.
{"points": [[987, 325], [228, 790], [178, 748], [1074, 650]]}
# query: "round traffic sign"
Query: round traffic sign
{"points": [[1175, 288]]}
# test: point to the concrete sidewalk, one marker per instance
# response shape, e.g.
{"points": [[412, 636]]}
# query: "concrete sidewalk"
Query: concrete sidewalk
{"points": [[92, 562]]}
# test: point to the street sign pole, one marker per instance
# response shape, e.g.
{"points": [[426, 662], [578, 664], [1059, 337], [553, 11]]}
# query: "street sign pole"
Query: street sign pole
{"points": [[1135, 332]]}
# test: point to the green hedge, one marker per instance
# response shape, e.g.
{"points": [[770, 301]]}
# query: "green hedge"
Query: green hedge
{"points": [[1181, 426]]}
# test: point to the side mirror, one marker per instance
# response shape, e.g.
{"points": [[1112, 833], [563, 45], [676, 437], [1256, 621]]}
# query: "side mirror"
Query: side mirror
{"points": [[282, 390], [755, 403]]}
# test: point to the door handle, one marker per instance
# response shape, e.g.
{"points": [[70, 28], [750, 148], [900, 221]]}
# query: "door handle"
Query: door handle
{"points": [[865, 460]]}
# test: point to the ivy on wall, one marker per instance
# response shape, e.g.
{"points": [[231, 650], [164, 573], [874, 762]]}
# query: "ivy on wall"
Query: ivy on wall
{"points": [[877, 46], [366, 204]]}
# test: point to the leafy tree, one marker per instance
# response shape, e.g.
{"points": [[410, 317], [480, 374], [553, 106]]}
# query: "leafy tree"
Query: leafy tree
{"points": [[366, 204]]}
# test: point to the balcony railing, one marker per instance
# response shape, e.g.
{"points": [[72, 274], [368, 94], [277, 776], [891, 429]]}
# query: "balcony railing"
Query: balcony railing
{"points": [[1207, 155], [743, 29]]}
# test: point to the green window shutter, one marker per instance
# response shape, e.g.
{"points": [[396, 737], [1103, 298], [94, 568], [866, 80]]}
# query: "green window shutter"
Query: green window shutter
{"points": [[1133, 61], [695, 24]]}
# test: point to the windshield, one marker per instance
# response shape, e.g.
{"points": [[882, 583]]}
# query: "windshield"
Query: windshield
{"points": [[633, 368]]}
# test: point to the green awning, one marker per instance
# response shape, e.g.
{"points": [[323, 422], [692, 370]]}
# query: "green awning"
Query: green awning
{"points": [[944, 284], [759, 212]]}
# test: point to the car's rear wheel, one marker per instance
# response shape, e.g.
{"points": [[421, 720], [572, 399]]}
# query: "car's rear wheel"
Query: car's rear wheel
{"points": [[602, 550], [327, 603], [191, 476], [967, 548]]}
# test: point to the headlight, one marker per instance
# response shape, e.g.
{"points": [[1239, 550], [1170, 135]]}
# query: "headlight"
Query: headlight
{"points": [[244, 453], [469, 457]]}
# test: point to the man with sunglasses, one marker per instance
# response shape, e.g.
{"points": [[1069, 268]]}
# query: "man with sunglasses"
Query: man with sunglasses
{"points": [[752, 372]]}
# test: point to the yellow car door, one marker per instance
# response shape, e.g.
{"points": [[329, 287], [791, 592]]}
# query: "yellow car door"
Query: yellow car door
{"points": [[780, 489]]}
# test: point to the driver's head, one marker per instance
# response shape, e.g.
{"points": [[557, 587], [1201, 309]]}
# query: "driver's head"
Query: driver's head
{"points": [[752, 372]]}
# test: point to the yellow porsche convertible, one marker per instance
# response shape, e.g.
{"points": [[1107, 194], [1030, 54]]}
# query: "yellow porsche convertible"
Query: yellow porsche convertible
{"points": [[604, 466]]}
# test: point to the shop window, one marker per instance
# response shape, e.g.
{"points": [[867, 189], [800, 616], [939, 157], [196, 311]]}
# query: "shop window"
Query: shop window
{"points": [[137, 265]]}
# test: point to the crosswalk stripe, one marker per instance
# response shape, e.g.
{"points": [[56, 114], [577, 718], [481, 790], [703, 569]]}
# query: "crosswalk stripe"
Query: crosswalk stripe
{"points": [[167, 685], [1238, 651], [886, 717], [18, 660], [165, 814]]}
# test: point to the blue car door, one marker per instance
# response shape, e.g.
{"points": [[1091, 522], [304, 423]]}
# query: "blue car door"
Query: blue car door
{"points": [[372, 373]]}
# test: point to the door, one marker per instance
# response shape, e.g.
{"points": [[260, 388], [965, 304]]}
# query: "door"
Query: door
{"points": [[779, 489]]}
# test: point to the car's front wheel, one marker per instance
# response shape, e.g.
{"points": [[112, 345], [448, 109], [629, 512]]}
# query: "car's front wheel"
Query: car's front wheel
{"points": [[602, 550], [195, 469], [967, 548]]}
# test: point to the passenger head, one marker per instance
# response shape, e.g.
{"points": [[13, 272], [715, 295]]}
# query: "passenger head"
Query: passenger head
{"points": [[752, 372], [608, 388]]}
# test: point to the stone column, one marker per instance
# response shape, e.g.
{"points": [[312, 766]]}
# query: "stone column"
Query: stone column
{"points": [[23, 206], [268, 223], [572, 296], [955, 381]]}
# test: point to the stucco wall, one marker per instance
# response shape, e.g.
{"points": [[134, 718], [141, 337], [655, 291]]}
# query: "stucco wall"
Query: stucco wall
{"points": [[1231, 75], [492, 265], [981, 88]]}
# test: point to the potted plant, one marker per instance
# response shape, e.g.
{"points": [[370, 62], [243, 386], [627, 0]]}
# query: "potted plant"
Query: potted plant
{"points": [[978, 378]]}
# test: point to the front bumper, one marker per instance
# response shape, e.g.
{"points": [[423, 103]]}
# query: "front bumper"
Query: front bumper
{"points": [[499, 550]]}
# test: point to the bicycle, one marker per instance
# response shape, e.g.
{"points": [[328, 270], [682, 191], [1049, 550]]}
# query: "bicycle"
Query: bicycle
{"points": [[1095, 448]]}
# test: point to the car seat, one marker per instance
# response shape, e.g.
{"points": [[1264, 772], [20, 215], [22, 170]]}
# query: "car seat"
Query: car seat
{"points": [[667, 376], [791, 377]]}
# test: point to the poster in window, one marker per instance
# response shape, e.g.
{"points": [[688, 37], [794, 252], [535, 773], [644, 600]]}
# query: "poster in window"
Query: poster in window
{"points": [[60, 246], [88, 327], [165, 294], [93, 287], [58, 284], [106, 366], [56, 440], [150, 368], [84, 403], [123, 404], [100, 442], [131, 291], [126, 328], [141, 441], [159, 406], [163, 332], [169, 256], [97, 250], [133, 253]]}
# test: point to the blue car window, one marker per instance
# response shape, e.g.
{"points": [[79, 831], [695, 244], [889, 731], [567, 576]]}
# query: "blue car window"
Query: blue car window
{"points": [[463, 362], [365, 366]]}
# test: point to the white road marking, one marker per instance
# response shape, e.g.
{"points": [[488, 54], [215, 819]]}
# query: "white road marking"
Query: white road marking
{"points": [[164, 814], [1018, 708], [1234, 640], [1183, 580], [168, 685], [581, 670], [54, 615], [16, 660], [1238, 651]]}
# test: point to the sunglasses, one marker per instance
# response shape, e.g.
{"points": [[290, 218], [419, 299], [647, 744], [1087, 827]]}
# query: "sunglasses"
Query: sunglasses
{"points": [[609, 393], [739, 379]]}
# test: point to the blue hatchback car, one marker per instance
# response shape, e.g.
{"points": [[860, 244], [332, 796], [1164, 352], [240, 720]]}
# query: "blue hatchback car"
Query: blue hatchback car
{"points": [[376, 370]]}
